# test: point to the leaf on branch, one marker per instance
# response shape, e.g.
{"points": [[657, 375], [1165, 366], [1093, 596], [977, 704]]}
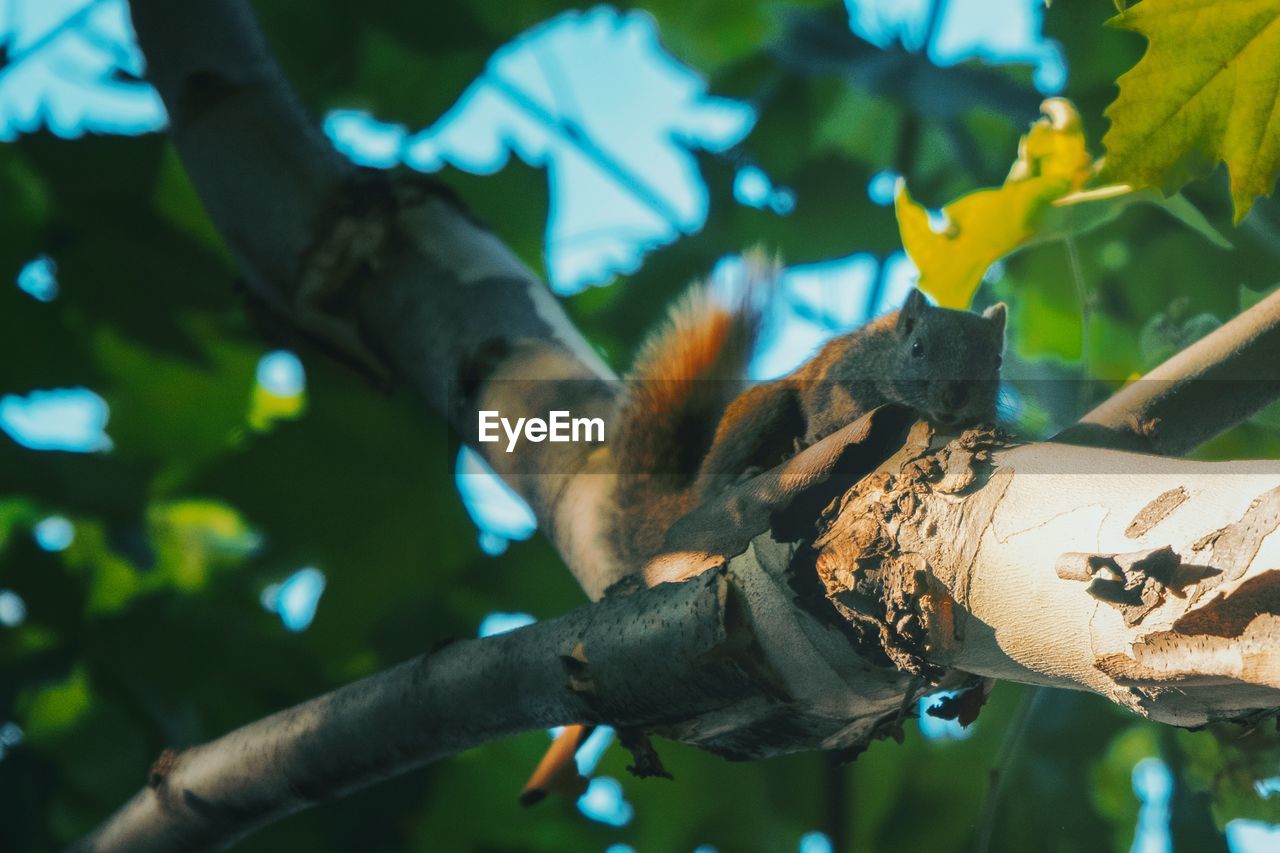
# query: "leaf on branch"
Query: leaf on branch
{"points": [[1206, 90]]}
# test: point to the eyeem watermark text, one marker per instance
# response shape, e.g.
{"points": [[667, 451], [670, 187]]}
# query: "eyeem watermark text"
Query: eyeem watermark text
{"points": [[558, 426]]}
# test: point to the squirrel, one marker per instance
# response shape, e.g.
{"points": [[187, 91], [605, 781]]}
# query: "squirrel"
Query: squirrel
{"points": [[687, 428]]}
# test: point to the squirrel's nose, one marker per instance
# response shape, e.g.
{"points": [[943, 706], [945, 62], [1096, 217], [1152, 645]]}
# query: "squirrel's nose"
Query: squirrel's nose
{"points": [[955, 394]]}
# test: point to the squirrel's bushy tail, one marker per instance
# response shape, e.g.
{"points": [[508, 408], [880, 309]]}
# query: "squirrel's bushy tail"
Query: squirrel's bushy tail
{"points": [[685, 376]]}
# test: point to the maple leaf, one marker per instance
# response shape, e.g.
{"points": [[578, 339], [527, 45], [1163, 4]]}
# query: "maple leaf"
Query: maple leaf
{"points": [[1205, 90]]}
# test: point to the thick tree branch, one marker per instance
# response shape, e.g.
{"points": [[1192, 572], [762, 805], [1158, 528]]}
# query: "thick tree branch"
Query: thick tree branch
{"points": [[386, 272], [1150, 581]]}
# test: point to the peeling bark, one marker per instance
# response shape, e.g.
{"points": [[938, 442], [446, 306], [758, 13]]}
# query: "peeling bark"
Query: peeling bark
{"points": [[1134, 583], [1008, 562], [1155, 512]]}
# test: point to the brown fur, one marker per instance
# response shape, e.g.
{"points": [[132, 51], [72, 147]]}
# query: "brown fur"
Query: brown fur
{"points": [[687, 373], [684, 383]]}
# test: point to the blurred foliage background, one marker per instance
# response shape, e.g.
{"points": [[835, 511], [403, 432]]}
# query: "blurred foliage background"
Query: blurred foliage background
{"points": [[199, 526]]}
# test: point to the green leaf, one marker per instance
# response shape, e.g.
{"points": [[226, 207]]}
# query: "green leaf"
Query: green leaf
{"points": [[1204, 91], [112, 581], [1072, 216], [14, 513], [1189, 215], [1227, 762], [52, 710]]}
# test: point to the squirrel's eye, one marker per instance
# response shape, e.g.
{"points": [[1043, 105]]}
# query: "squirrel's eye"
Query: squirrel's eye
{"points": [[999, 361], [917, 349]]}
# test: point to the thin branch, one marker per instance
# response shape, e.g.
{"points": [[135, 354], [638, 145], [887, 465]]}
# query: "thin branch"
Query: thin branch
{"points": [[998, 776], [1213, 385], [1086, 321]]}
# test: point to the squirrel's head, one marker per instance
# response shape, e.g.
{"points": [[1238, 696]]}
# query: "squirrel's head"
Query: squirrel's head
{"points": [[946, 363]]}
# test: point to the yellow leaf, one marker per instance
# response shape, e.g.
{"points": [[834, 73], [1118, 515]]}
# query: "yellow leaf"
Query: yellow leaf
{"points": [[984, 226], [980, 229], [265, 408], [1054, 147], [1205, 90]]}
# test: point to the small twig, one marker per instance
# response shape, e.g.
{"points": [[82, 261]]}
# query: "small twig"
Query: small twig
{"points": [[836, 802], [998, 776], [1086, 322]]}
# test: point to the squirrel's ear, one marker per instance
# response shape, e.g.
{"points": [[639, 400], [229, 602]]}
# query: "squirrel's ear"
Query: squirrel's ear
{"points": [[911, 311], [996, 314]]}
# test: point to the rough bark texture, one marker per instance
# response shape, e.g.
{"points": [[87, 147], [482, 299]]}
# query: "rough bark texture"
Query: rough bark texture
{"points": [[1151, 581], [668, 656]]}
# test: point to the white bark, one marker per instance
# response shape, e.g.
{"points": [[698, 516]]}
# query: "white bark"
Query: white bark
{"points": [[1009, 563], [1062, 500]]}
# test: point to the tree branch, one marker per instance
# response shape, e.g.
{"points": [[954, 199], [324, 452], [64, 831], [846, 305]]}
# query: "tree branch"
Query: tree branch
{"points": [[782, 645], [1158, 573], [659, 656], [1213, 385], [388, 273]]}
